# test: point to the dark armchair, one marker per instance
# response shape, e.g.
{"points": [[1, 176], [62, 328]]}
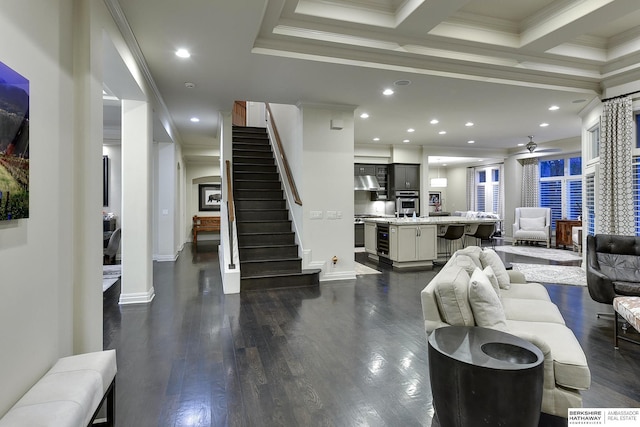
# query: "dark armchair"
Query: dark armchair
{"points": [[613, 266]]}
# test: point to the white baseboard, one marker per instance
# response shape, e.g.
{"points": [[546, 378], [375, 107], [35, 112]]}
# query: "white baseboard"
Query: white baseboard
{"points": [[338, 275], [138, 297]]}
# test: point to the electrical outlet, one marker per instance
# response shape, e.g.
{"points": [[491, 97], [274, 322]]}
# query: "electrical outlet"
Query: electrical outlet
{"points": [[315, 214]]}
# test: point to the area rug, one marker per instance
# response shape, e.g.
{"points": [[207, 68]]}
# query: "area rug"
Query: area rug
{"points": [[110, 275], [560, 274], [543, 253], [363, 269]]}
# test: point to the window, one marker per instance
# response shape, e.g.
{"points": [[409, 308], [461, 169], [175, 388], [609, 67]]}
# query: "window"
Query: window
{"points": [[594, 142], [590, 202], [561, 187], [488, 189]]}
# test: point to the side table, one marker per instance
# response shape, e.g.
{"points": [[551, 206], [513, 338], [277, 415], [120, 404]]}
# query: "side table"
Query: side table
{"points": [[563, 231], [484, 377]]}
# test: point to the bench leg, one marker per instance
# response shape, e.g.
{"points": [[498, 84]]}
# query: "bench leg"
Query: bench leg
{"points": [[110, 398], [615, 333]]}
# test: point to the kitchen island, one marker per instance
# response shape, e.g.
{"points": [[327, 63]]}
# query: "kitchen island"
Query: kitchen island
{"points": [[412, 243]]}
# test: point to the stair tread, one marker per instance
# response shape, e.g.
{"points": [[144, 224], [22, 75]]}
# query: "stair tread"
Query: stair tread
{"points": [[291, 245], [256, 261], [266, 233]]}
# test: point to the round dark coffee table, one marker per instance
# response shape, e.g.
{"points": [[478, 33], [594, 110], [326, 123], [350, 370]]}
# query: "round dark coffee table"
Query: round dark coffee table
{"points": [[484, 377]]}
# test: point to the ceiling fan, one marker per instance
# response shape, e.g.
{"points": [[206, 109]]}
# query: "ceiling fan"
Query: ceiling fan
{"points": [[532, 146]]}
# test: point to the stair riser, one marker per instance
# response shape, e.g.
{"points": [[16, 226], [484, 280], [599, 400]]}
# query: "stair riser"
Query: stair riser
{"points": [[255, 172], [244, 215], [264, 227], [253, 160], [265, 239], [252, 153], [257, 185], [260, 204], [252, 145], [248, 269], [240, 194], [268, 252], [257, 284]]}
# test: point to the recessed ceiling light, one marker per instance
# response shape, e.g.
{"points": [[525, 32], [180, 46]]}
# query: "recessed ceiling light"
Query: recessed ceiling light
{"points": [[183, 53], [434, 122], [579, 101], [402, 82], [364, 116], [442, 132], [189, 85], [444, 164], [376, 139], [554, 108], [411, 130], [544, 125], [520, 145], [481, 160], [406, 141], [194, 119], [468, 124], [387, 92], [471, 142]]}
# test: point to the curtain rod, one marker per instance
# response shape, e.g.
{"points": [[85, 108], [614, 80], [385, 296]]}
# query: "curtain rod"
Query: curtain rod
{"points": [[620, 96]]}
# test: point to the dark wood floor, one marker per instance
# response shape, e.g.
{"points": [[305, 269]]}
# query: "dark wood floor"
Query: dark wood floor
{"points": [[352, 353]]}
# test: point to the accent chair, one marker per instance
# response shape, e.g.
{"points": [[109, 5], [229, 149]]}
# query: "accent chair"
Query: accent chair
{"points": [[532, 225]]}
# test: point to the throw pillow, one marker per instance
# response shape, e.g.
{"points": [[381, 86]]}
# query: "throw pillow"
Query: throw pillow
{"points": [[452, 296], [488, 271], [532, 224], [472, 252], [485, 304], [490, 257], [464, 261]]}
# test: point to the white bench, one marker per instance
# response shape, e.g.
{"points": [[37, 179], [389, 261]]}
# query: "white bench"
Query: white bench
{"points": [[70, 394]]}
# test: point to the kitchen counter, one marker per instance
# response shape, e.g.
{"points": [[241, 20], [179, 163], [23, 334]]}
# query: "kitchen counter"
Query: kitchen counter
{"points": [[412, 243]]}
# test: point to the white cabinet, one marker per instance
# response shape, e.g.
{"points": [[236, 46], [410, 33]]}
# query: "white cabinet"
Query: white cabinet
{"points": [[412, 242], [370, 236]]}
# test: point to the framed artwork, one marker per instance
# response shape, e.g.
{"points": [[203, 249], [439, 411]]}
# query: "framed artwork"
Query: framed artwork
{"points": [[210, 197], [105, 181], [14, 144], [434, 198]]}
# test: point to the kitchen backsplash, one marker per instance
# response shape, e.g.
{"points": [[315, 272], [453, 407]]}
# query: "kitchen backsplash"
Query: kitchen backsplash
{"points": [[364, 205]]}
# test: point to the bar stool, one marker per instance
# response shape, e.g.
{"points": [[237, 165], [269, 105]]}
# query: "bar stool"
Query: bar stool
{"points": [[454, 232], [484, 232]]}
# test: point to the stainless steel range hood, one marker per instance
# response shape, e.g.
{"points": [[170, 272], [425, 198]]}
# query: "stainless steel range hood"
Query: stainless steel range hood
{"points": [[366, 183]]}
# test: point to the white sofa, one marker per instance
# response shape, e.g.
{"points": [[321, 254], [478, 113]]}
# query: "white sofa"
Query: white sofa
{"points": [[514, 306], [532, 225]]}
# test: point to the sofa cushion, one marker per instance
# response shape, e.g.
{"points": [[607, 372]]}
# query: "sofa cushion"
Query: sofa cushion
{"points": [[488, 271], [485, 304], [490, 257], [532, 310], [569, 362], [532, 224], [452, 296], [530, 235], [525, 291]]}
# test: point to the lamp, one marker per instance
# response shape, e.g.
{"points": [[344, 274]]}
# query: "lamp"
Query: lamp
{"points": [[531, 146], [438, 182]]}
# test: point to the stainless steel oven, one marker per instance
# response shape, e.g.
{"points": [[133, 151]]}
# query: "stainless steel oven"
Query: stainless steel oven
{"points": [[407, 202]]}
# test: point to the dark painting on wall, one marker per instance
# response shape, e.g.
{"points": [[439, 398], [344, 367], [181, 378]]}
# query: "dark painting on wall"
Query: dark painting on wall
{"points": [[14, 144], [210, 197]]}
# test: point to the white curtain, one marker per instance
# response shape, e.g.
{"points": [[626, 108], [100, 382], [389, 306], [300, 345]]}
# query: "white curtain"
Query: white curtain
{"points": [[615, 197], [530, 183], [471, 189]]}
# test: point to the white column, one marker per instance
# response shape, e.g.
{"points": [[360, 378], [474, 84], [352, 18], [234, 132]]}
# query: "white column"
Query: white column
{"points": [[137, 268]]}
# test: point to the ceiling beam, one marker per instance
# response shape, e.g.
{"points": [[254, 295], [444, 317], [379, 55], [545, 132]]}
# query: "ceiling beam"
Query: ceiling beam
{"points": [[552, 27]]}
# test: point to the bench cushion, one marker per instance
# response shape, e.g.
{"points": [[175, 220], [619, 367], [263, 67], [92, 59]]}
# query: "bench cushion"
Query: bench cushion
{"points": [[67, 395]]}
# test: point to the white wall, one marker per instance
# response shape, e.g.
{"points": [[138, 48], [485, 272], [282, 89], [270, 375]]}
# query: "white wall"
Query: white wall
{"points": [[198, 173], [37, 255], [327, 186], [165, 247]]}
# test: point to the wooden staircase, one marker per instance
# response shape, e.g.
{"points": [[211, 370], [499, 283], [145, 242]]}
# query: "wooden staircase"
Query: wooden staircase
{"points": [[266, 243]]}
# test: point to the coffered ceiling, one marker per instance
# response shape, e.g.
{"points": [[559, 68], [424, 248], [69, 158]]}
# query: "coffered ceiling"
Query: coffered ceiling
{"points": [[499, 64]]}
